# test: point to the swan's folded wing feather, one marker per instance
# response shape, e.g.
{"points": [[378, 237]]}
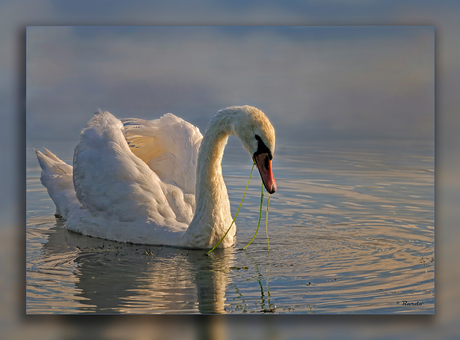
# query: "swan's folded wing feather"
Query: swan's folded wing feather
{"points": [[111, 181], [169, 146]]}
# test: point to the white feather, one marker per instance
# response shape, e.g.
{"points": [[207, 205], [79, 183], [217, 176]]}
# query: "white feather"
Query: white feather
{"points": [[168, 145]]}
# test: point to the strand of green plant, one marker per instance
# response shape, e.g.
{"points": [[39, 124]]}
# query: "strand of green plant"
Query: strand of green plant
{"points": [[260, 215], [237, 211], [266, 218], [266, 221]]}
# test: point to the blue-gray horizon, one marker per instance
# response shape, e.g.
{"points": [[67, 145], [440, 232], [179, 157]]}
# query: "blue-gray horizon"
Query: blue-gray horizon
{"points": [[313, 82]]}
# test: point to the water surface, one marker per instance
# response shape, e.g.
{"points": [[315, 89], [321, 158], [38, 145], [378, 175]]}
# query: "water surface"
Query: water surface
{"points": [[351, 231]]}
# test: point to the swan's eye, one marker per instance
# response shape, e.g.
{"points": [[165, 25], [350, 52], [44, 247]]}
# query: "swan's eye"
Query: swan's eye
{"points": [[262, 148]]}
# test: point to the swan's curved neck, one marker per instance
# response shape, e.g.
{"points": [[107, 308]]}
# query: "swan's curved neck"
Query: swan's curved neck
{"points": [[212, 215]]}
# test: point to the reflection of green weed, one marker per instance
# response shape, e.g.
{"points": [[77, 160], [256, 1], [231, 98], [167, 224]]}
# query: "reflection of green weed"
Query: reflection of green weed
{"points": [[242, 305], [150, 252], [263, 305]]}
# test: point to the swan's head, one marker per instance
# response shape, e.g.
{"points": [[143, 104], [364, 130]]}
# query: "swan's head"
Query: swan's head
{"points": [[258, 137]]}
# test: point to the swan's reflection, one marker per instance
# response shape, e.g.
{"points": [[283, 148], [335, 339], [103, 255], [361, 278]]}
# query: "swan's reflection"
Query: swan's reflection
{"points": [[124, 278]]}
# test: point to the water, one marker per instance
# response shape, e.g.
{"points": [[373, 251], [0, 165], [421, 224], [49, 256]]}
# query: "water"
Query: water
{"points": [[351, 231]]}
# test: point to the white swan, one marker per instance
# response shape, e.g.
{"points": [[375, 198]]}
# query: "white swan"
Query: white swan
{"points": [[136, 181]]}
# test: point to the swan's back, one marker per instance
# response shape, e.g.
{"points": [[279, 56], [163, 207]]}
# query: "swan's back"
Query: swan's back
{"points": [[169, 146]]}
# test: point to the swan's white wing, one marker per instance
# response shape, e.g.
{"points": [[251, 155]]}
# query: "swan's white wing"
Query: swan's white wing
{"points": [[113, 184], [169, 146]]}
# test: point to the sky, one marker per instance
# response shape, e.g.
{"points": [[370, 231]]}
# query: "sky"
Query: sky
{"points": [[15, 15], [313, 82]]}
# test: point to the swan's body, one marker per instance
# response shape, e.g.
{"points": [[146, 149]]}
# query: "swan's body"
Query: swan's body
{"points": [[155, 182]]}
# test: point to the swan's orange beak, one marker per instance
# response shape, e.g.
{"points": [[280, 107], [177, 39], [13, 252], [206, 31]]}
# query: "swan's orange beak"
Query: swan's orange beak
{"points": [[264, 164]]}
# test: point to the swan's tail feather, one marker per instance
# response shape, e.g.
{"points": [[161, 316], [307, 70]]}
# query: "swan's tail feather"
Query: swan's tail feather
{"points": [[52, 156], [51, 164], [56, 176]]}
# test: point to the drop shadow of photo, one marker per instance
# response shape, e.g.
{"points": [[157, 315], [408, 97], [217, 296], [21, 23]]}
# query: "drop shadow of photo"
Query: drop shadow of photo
{"points": [[117, 277]]}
